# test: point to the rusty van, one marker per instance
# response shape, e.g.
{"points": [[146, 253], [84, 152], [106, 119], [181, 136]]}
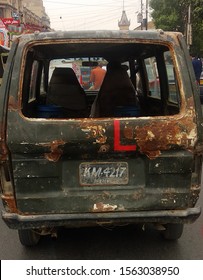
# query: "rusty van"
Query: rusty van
{"points": [[129, 152]]}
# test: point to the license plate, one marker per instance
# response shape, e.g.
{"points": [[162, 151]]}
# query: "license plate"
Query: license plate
{"points": [[105, 173]]}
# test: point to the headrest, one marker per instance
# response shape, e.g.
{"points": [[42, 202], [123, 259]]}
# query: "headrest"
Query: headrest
{"points": [[64, 76]]}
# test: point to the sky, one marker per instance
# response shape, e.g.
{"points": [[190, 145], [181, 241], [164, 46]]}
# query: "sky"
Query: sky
{"points": [[92, 14]]}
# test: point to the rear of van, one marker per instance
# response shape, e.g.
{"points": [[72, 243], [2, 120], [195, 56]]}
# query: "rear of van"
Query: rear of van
{"points": [[130, 152]]}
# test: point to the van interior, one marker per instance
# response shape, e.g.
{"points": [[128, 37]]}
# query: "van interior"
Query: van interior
{"points": [[140, 80]]}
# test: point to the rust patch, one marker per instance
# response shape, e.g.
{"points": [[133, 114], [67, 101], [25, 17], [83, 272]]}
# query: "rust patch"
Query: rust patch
{"points": [[194, 195], [101, 207], [3, 147], [96, 132], [137, 195], [106, 194], [12, 104], [158, 136], [169, 197], [128, 132], [10, 202], [56, 152]]}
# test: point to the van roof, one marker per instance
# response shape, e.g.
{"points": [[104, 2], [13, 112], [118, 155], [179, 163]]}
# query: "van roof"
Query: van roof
{"points": [[96, 34]]}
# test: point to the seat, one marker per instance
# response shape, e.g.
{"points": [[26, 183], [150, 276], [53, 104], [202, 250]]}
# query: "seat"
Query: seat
{"points": [[116, 92], [64, 90]]}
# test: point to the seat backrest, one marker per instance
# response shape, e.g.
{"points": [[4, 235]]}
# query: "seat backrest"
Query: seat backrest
{"points": [[64, 90], [116, 90]]}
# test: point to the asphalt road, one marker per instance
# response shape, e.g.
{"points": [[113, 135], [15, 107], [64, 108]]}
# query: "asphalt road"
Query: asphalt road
{"points": [[123, 243]]}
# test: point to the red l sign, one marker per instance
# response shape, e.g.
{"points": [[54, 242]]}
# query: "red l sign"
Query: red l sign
{"points": [[117, 145]]}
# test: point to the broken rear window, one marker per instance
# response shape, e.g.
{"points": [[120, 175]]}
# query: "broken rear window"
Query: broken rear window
{"points": [[98, 80]]}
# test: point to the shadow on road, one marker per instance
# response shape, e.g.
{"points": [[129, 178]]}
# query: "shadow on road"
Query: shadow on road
{"points": [[98, 243]]}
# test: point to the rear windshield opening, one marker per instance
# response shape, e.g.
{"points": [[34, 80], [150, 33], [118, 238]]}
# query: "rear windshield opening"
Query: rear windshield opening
{"points": [[99, 80]]}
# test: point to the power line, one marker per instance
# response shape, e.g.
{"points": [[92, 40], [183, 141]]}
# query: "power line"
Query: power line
{"points": [[80, 4], [91, 14]]}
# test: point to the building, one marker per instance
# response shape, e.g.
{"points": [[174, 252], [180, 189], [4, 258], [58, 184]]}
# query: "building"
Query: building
{"points": [[37, 8], [124, 23], [150, 26], [21, 16]]}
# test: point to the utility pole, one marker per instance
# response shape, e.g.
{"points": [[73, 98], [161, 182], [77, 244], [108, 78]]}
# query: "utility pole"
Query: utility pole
{"points": [[142, 15], [147, 4], [189, 28]]}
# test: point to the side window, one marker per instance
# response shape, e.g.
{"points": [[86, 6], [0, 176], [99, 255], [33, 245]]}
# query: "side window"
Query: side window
{"points": [[153, 77], [172, 80], [3, 59], [33, 81]]}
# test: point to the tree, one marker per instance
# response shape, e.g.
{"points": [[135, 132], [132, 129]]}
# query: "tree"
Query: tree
{"points": [[173, 16]]}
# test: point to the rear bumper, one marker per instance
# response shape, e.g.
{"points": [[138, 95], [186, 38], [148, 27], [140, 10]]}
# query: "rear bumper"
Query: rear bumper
{"points": [[17, 221]]}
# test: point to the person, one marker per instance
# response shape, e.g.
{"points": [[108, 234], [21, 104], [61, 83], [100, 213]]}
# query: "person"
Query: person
{"points": [[197, 66], [97, 76]]}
